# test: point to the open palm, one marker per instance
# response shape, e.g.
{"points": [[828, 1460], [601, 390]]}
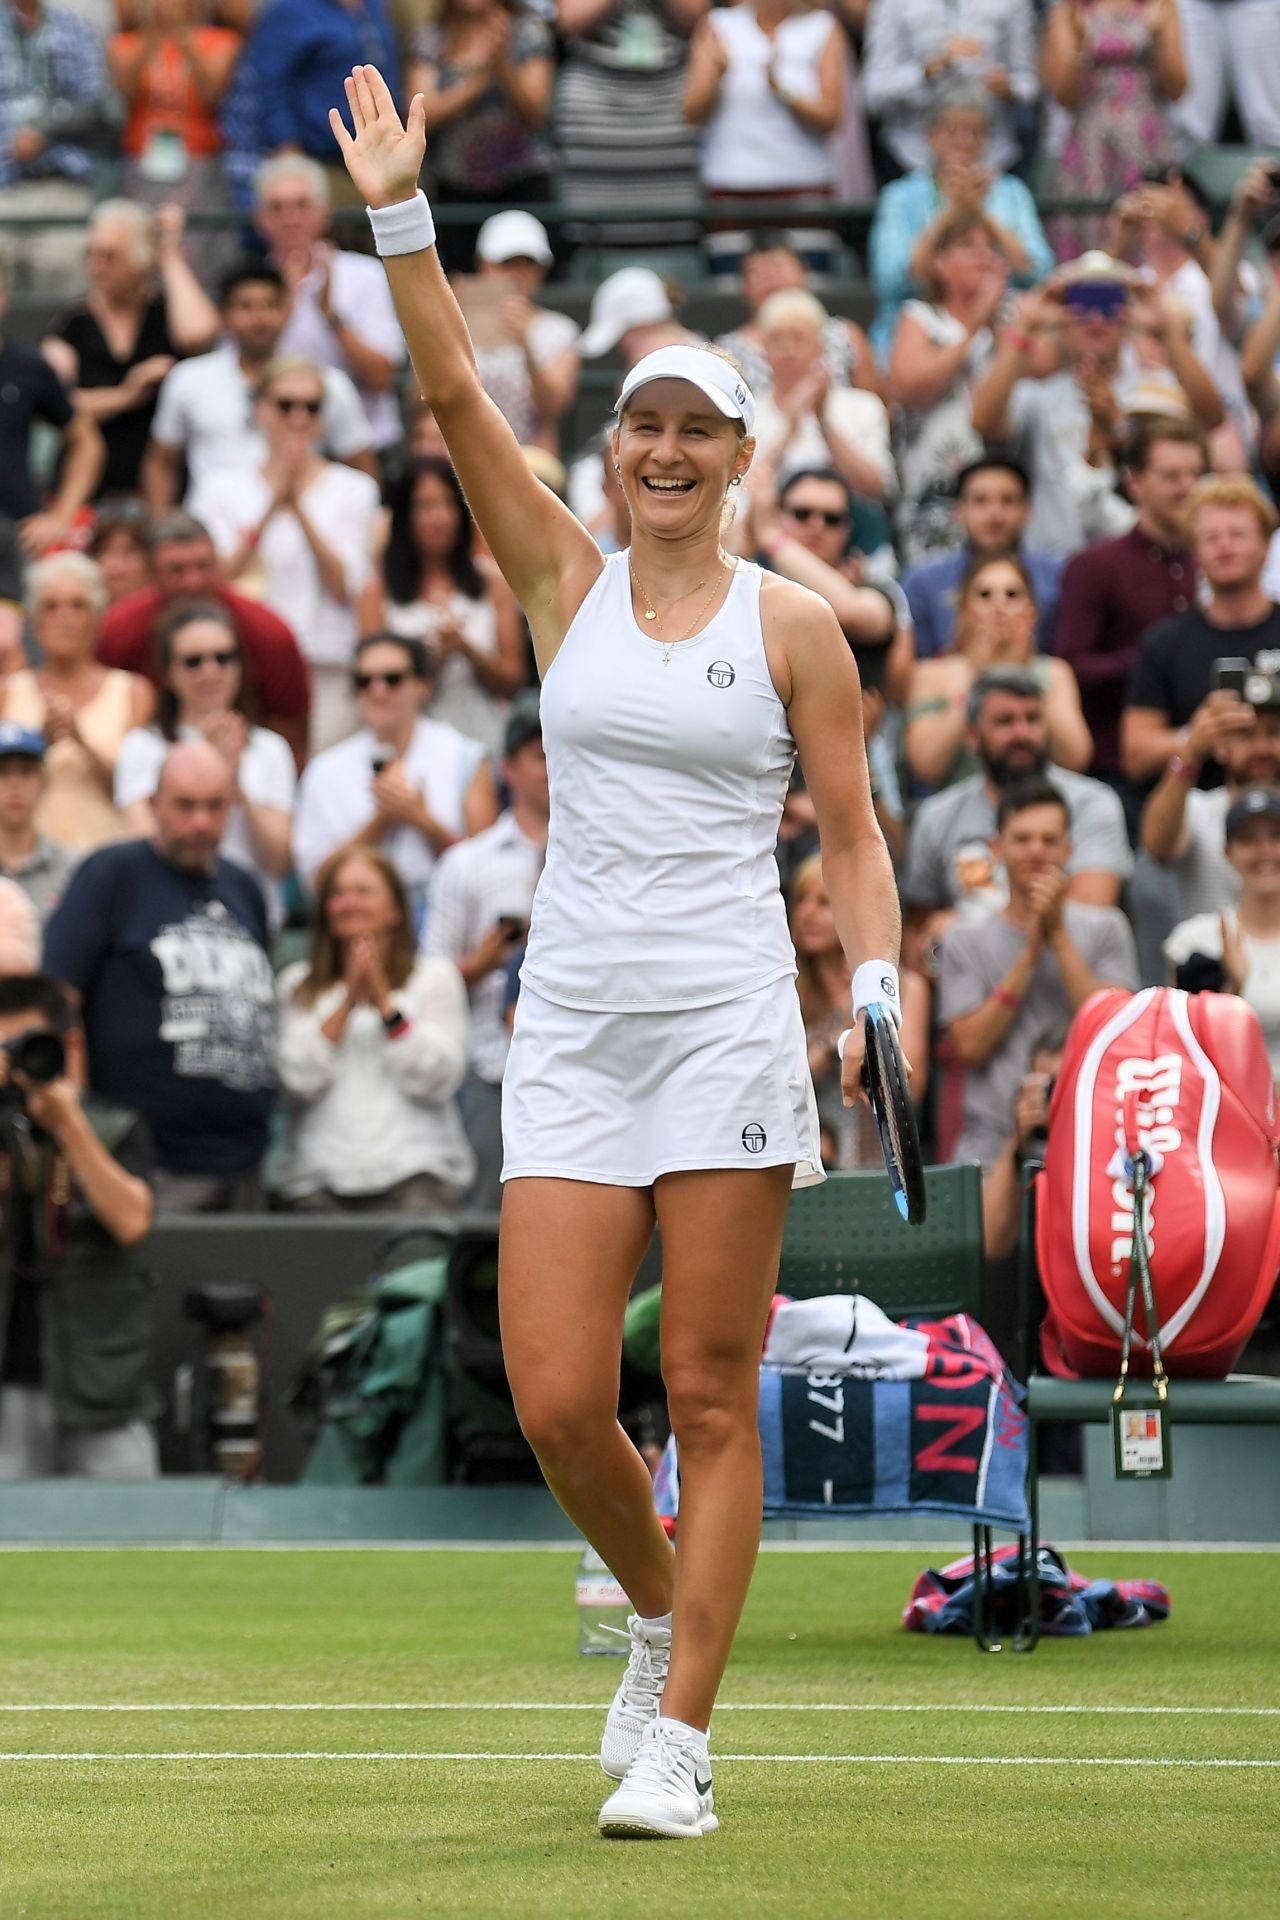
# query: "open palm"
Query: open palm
{"points": [[385, 157]]}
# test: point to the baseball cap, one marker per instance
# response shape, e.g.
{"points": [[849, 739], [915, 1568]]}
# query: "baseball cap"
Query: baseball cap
{"points": [[21, 740], [631, 297], [713, 375], [513, 235], [524, 720], [1257, 803]]}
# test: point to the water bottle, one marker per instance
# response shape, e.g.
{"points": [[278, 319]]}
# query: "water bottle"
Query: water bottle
{"points": [[603, 1608]]}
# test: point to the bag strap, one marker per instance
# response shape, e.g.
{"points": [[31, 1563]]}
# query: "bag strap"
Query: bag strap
{"points": [[1138, 1169]]}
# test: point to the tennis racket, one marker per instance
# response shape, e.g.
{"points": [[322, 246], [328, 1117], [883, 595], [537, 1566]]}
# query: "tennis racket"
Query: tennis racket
{"points": [[884, 1075]]}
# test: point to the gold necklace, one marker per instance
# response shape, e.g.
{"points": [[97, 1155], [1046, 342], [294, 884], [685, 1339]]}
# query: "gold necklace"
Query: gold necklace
{"points": [[651, 612]]}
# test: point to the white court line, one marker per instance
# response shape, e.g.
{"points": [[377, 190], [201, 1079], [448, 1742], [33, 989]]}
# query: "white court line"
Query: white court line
{"points": [[746, 1759], [594, 1707]]}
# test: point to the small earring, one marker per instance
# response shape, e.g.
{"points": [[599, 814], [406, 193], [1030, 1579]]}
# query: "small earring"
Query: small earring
{"points": [[736, 481], [617, 467]]}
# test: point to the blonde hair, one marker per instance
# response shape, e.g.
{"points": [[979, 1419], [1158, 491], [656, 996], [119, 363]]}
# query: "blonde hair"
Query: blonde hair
{"points": [[791, 307], [1231, 490], [815, 1004], [283, 367]]}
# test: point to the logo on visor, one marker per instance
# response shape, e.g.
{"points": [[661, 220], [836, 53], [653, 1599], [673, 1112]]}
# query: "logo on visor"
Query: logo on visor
{"points": [[721, 674], [754, 1137]]}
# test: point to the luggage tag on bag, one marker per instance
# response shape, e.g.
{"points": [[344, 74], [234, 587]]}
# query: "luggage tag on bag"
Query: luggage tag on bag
{"points": [[1140, 1434]]}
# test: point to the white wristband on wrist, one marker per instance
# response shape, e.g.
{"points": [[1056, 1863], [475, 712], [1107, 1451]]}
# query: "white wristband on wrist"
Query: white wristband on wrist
{"points": [[877, 980], [405, 226]]}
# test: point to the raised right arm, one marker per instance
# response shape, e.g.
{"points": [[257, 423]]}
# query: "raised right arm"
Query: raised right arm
{"points": [[546, 556]]}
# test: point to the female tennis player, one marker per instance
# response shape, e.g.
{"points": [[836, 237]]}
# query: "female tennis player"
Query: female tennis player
{"points": [[658, 1066]]}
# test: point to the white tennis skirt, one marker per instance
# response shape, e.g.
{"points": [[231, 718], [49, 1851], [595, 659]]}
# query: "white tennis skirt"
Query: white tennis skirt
{"points": [[622, 1098]]}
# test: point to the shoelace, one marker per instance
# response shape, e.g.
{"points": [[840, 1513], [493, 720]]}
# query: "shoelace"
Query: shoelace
{"points": [[644, 1686], [661, 1757]]}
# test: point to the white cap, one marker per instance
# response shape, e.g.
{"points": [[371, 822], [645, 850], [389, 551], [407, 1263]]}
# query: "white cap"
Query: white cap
{"points": [[718, 378], [513, 235], [631, 297]]}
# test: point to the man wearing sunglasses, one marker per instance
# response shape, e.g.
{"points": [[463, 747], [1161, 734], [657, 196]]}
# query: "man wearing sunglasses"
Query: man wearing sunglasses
{"points": [[406, 784], [804, 531]]}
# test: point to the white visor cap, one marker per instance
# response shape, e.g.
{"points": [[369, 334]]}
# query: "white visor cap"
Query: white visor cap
{"points": [[723, 385]]}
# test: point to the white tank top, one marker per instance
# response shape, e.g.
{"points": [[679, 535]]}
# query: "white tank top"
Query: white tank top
{"points": [[751, 140], [660, 888]]}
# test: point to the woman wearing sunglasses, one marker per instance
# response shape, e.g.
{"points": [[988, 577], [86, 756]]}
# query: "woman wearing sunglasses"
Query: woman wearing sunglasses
{"points": [[404, 783], [297, 531], [202, 697]]}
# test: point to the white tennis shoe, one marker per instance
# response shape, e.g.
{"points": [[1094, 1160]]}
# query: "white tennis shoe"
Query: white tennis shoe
{"points": [[639, 1696], [667, 1791]]}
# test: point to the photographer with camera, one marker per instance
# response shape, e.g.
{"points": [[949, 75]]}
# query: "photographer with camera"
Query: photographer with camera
{"points": [[76, 1394], [1182, 823], [1066, 409]]}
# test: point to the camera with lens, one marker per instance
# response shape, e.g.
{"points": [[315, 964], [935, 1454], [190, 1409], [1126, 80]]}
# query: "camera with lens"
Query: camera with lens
{"points": [[39, 1055]]}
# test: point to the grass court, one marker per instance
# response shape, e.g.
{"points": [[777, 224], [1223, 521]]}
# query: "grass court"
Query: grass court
{"points": [[280, 1735]]}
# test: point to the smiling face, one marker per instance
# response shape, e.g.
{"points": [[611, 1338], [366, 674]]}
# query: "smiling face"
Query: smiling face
{"points": [[678, 454], [359, 903], [1254, 851], [390, 695]]}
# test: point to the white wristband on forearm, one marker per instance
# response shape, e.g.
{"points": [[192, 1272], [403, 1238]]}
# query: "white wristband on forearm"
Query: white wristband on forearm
{"points": [[405, 226], [877, 980]]}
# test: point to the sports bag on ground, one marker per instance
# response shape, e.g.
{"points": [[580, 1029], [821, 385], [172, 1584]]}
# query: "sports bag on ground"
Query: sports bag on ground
{"points": [[1188, 1075]]}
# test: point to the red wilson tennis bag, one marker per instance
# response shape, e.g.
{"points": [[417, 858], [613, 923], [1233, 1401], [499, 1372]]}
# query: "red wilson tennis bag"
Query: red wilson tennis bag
{"points": [[1191, 1073]]}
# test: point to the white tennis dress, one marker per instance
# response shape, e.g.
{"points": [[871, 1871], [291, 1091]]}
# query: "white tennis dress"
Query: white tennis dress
{"points": [[658, 1026]]}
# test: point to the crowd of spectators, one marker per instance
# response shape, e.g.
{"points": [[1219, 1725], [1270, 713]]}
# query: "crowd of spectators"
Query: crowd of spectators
{"points": [[273, 802]]}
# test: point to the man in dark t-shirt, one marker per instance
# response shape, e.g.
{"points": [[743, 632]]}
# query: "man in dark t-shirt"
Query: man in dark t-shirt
{"points": [[30, 390], [184, 566], [166, 943], [1230, 525]]}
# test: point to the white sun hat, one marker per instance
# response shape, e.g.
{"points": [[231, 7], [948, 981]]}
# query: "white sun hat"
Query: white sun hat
{"points": [[713, 375], [631, 297], [513, 235]]}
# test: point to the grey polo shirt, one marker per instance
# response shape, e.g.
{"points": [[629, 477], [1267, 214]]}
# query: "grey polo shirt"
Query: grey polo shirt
{"points": [[43, 874], [975, 957]]}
